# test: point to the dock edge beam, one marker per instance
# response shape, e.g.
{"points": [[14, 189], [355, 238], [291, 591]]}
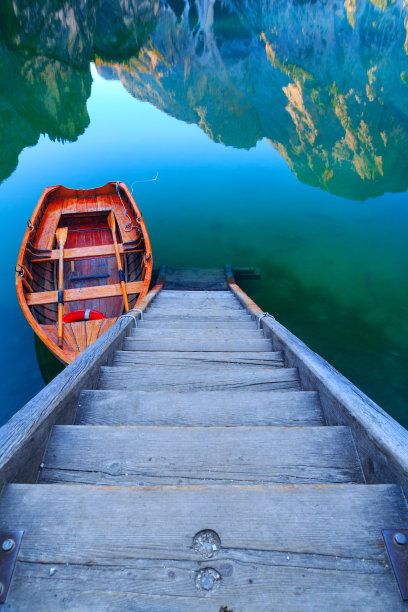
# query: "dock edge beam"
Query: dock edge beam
{"points": [[381, 442], [24, 436]]}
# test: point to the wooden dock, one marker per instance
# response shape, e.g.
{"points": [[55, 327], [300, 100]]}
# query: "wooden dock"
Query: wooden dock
{"points": [[199, 457]]}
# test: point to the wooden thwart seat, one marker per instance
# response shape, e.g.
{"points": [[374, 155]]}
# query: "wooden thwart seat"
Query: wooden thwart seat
{"points": [[85, 293], [105, 250]]}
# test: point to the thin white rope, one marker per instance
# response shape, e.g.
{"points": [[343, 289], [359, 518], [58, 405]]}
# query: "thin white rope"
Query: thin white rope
{"points": [[144, 181]]}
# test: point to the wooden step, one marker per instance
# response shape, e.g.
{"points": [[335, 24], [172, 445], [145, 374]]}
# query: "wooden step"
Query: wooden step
{"points": [[296, 547], [182, 296], [228, 302], [197, 379], [200, 408], [206, 304], [175, 323], [184, 310], [189, 359], [185, 334], [146, 456], [168, 315], [196, 344], [199, 295]]}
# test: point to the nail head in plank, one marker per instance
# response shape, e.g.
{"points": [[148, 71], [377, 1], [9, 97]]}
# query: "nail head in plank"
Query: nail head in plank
{"points": [[267, 533]]}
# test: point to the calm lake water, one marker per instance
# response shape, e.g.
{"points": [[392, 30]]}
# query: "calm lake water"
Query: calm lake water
{"points": [[278, 132]]}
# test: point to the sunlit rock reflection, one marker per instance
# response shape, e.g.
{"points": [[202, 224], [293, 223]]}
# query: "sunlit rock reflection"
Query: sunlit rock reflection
{"points": [[325, 82]]}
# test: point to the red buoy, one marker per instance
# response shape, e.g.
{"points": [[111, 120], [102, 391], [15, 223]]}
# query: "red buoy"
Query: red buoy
{"points": [[82, 315]]}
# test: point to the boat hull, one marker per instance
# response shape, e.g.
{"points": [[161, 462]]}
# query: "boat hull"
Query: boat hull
{"points": [[91, 278]]}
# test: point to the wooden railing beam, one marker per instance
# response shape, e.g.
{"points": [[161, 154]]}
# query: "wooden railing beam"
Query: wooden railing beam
{"points": [[381, 442]]}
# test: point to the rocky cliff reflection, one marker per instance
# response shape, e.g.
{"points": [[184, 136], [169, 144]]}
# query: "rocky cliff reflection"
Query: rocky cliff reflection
{"points": [[326, 83]]}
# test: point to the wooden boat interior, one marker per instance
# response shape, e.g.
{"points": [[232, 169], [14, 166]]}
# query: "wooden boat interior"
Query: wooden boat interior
{"points": [[91, 276]]}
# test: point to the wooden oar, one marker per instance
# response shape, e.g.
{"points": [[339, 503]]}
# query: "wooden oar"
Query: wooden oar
{"points": [[112, 225], [62, 233]]}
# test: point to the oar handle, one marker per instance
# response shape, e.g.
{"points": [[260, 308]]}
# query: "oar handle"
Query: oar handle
{"points": [[111, 222], [61, 239]]}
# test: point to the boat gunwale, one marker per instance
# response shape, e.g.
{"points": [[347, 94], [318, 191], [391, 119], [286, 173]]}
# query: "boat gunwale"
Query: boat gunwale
{"points": [[66, 356], [24, 437]]}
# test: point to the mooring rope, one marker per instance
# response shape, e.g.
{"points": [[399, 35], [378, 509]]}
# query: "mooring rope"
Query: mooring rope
{"points": [[128, 314], [144, 181]]}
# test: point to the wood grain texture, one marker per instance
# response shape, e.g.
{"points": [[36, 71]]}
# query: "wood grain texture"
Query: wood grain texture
{"points": [[181, 295], [203, 302], [23, 437], [185, 309], [298, 547], [69, 346], [199, 408], [82, 293], [141, 333], [195, 344], [181, 359], [197, 379], [147, 456], [104, 250], [197, 295], [382, 443], [45, 236], [186, 324], [166, 314]]}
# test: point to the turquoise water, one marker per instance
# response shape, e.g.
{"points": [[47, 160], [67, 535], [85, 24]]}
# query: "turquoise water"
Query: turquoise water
{"points": [[265, 156]]}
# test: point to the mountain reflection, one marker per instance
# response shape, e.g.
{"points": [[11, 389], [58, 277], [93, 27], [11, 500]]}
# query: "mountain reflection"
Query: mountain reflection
{"points": [[325, 82]]}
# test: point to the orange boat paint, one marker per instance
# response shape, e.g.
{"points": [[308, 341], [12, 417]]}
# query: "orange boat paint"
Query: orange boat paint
{"points": [[92, 280]]}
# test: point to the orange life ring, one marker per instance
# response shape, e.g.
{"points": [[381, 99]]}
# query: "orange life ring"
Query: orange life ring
{"points": [[82, 315]]}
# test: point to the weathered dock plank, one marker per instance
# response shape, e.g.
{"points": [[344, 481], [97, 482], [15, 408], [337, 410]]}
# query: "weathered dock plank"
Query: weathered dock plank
{"points": [[177, 438], [206, 359], [166, 314], [211, 311], [199, 408], [199, 296], [300, 547], [146, 456], [196, 344], [197, 379], [139, 333], [186, 324]]}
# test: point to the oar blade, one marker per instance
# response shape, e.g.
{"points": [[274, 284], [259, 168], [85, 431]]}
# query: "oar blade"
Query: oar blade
{"points": [[62, 233], [111, 222]]}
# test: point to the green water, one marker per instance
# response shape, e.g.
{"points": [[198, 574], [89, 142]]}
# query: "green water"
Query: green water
{"points": [[279, 132]]}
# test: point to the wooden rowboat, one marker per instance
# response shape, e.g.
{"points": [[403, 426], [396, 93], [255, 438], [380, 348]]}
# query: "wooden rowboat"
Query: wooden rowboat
{"points": [[101, 239]]}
